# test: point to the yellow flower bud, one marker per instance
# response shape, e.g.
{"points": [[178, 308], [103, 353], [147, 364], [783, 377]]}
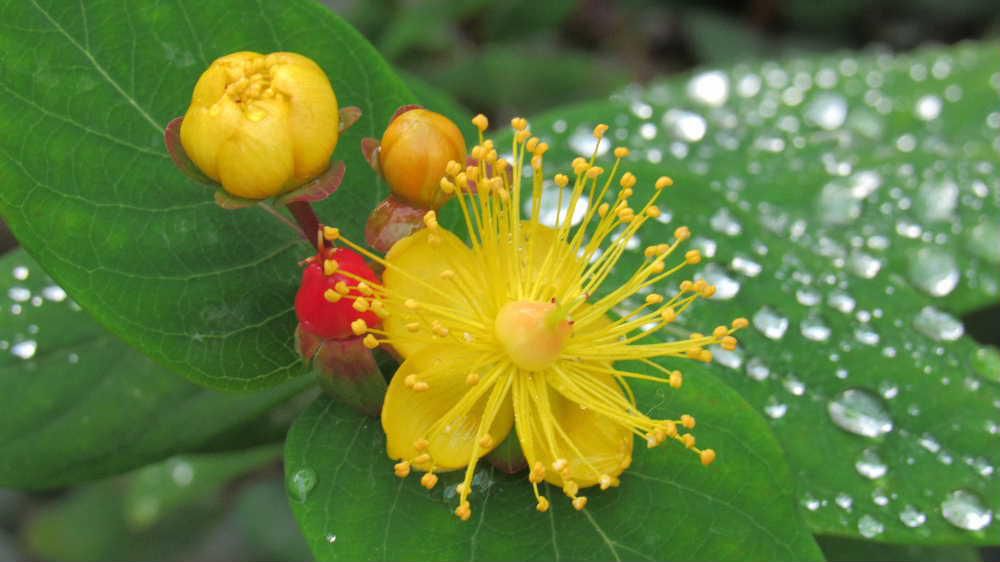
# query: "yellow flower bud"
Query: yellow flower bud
{"points": [[261, 124], [415, 150]]}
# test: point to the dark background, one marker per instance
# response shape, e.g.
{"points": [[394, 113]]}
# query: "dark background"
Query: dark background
{"points": [[525, 56]]}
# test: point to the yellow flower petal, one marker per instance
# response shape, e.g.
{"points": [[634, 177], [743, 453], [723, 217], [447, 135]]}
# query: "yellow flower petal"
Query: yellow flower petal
{"points": [[257, 160], [408, 415], [591, 444], [424, 255]]}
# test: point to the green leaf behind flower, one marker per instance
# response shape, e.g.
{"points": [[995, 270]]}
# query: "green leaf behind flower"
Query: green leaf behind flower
{"points": [[85, 91], [80, 404], [849, 206], [668, 506]]}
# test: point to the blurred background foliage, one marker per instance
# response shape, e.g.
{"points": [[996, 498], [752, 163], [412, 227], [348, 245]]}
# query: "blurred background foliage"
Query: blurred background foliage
{"points": [[501, 58]]}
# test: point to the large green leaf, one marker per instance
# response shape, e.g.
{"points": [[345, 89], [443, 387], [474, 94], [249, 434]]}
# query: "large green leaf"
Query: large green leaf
{"points": [[156, 513], [669, 507], [850, 205], [79, 404], [89, 190]]}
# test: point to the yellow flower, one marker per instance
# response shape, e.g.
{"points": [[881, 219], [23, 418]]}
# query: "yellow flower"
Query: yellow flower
{"points": [[261, 124], [413, 153], [512, 330]]}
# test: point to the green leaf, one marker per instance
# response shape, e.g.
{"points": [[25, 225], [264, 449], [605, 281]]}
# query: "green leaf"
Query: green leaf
{"points": [[850, 206], [152, 514], [80, 404], [668, 506], [90, 191], [848, 550]]}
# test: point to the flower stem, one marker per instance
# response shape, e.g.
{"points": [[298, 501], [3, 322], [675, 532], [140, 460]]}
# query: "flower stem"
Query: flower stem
{"points": [[308, 222]]}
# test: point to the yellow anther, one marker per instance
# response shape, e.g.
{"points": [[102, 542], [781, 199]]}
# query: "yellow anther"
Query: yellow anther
{"points": [[536, 162], [519, 123], [332, 296], [402, 469], [430, 220], [580, 502], [543, 504], [625, 193], [429, 480], [729, 343], [447, 187], [342, 287], [522, 136], [411, 304], [653, 211], [688, 440], [379, 309], [559, 464], [370, 341], [537, 473], [662, 249], [359, 326], [688, 421], [705, 356], [594, 172], [676, 379], [652, 440], [463, 511], [439, 329], [605, 481], [486, 441], [692, 257], [740, 323], [709, 291], [541, 149], [410, 380], [532, 144], [707, 456], [481, 122], [628, 180], [472, 173], [364, 288], [570, 488], [413, 326], [452, 168], [699, 287], [621, 152], [447, 274], [477, 153], [331, 233], [654, 298], [720, 332], [600, 130], [649, 252], [330, 267], [562, 180], [664, 181], [686, 286], [603, 210], [421, 386], [422, 458], [472, 379], [421, 444], [682, 233], [361, 304], [668, 314]]}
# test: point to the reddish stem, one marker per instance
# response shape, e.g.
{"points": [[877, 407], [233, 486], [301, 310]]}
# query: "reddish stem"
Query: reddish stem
{"points": [[308, 222]]}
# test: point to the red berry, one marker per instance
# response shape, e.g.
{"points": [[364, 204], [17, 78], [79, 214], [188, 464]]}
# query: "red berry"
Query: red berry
{"points": [[332, 320]]}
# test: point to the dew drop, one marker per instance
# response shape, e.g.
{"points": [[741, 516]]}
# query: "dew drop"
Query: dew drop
{"points": [[863, 264], [770, 323], [723, 221], [860, 412], [793, 385], [841, 301], [813, 328], [746, 266], [928, 108], [685, 125], [938, 325], [844, 501], [757, 369], [810, 502], [25, 349], [726, 358], [936, 201], [934, 271], [828, 111], [869, 527], [870, 465], [301, 482], [20, 273], [836, 205], [331, 538], [866, 335], [182, 473], [984, 240], [807, 297], [912, 517], [54, 293], [775, 409], [710, 88], [965, 510]]}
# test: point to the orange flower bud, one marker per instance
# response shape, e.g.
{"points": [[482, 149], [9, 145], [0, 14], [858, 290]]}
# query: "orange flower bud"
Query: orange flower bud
{"points": [[415, 150]]}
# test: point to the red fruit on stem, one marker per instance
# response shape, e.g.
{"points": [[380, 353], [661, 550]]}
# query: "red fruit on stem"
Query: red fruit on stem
{"points": [[314, 305]]}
